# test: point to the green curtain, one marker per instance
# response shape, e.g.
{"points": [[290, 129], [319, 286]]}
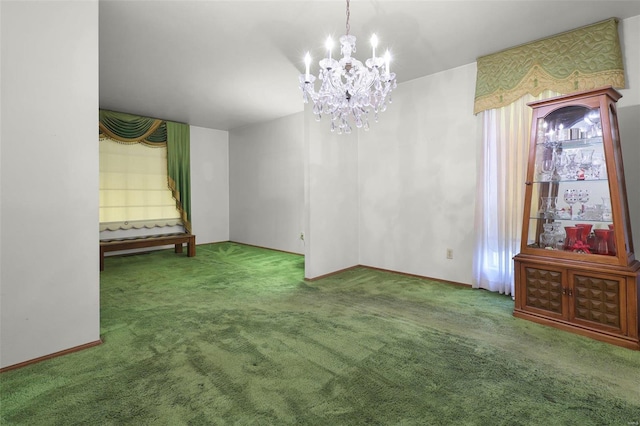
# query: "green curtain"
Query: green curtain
{"points": [[582, 59], [129, 128], [178, 167]]}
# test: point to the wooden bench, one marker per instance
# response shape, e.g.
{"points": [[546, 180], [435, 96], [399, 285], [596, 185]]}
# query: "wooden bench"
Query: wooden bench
{"points": [[152, 241]]}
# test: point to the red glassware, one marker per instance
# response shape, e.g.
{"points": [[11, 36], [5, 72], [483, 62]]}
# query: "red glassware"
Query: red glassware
{"points": [[586, 230], [602, 240], [574, 234], [612, 241]]}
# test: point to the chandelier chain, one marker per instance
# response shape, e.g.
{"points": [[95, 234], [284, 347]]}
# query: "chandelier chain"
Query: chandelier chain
{"points": [[348, 16]]}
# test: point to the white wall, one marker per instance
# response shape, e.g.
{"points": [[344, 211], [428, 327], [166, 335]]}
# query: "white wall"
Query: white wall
{"points": [[283, 169], [417, 170], [331, 198], [49, 282], [417, 179], [629, 121], [209, 184], [266, 184], [629, 30]]}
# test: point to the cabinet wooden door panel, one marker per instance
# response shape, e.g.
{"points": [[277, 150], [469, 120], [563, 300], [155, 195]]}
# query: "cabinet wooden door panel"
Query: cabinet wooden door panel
{"points": [[544, 290], [598, 301]]}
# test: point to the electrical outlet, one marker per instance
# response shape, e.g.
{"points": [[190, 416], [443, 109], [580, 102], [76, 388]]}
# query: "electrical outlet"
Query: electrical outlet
{"points": [[449, 253]]}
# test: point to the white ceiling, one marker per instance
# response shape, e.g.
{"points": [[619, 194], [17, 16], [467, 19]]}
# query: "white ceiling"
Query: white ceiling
{"points": [[226, 64]]}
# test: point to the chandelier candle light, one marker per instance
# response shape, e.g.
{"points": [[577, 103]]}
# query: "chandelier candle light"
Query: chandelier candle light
{"points": [[349, 89]]}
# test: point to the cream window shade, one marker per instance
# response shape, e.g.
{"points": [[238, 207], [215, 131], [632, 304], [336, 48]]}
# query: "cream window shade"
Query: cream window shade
{"points": [[133, 187], [582, 59]]}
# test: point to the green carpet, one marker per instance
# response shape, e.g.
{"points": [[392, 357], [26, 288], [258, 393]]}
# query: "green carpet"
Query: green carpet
{"points": [[236, 336]]}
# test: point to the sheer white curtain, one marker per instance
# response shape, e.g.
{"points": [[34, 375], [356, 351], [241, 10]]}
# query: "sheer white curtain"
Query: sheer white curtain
{"points": [[502, 168]]}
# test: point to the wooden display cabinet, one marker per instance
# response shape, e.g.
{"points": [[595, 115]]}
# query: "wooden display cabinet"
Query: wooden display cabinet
{"points": [[576, 269]]}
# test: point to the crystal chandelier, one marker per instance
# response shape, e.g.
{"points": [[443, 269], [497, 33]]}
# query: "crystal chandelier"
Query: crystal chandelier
{"points": [[349, 90]]}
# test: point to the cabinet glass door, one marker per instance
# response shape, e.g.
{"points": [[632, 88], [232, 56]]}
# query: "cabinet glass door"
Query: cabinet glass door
{"points": [[570, 202]]}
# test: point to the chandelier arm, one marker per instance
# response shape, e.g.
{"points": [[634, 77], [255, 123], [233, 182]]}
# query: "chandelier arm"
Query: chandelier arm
{"points": [[361, 89], [336, 83]]}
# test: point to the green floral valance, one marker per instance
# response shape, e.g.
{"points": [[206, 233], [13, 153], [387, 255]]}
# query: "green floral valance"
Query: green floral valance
{"points": [[127, 128], [582, 59]]}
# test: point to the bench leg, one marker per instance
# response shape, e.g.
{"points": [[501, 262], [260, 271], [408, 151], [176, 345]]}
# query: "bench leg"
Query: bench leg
{"points": [[191, 246], [178, 248]]}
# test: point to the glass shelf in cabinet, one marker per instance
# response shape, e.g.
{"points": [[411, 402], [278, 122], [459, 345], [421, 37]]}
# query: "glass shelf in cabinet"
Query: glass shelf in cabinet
{"points": [[572, 143], [592, 251], [571, 180], [562, 219], [580, 143]]}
